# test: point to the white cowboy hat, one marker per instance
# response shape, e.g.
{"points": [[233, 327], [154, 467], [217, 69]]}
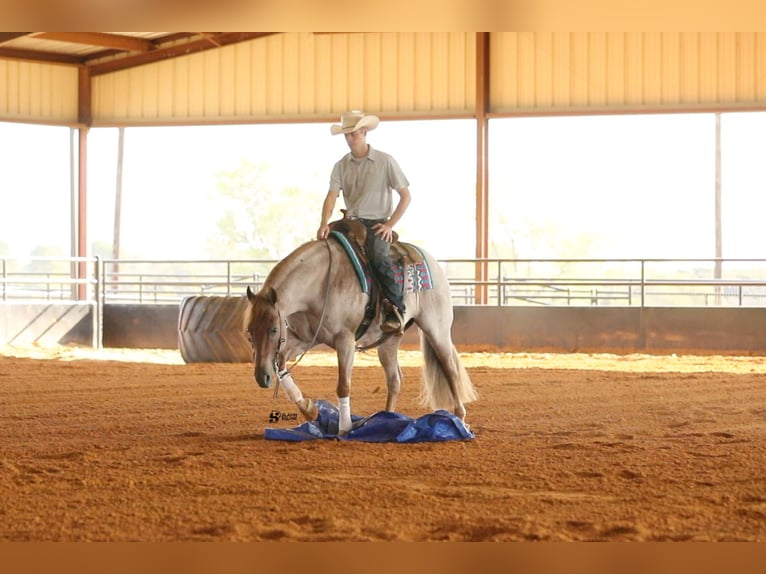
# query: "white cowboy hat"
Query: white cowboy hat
{"points": [[352, 121]]}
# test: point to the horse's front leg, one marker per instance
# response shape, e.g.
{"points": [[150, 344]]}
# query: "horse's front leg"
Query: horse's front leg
{"points": [[345, 351], [306, 406]]}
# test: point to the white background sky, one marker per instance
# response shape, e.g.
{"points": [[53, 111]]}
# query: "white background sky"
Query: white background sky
{"points": [[609, 186]]}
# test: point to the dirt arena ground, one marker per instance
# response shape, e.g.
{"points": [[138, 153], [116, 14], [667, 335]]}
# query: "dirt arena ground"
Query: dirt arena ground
{"points": [[125, 445]]}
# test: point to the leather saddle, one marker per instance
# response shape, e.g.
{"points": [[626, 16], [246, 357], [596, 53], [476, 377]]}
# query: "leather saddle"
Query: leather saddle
{"points": [[401, 253]]}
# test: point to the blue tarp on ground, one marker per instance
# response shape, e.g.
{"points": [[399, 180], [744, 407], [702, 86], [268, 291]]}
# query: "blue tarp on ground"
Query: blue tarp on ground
{"points": [[383, 426]]}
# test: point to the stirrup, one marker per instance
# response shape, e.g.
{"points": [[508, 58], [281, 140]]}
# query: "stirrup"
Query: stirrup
{"points": [[392, 312]]}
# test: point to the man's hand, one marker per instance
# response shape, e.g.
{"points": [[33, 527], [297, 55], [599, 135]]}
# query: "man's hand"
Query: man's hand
{"points": [[384, 231], [323, 232]]}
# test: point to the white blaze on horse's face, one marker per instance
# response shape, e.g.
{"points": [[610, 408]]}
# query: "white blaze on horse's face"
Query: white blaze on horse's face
{"points": [[263, 329]]}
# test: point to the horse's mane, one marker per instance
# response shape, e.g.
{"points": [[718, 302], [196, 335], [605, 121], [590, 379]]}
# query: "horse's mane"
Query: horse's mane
{"points": [[281, 272], [285, 267]]}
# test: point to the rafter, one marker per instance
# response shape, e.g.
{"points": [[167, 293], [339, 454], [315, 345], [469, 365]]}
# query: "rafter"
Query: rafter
{"points": [[8, 36], [38, 56], [115, 41], [207, 42], [127, 51]]}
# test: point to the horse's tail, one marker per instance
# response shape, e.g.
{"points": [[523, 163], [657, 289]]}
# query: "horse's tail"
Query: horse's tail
{"points": [[435, 391]]}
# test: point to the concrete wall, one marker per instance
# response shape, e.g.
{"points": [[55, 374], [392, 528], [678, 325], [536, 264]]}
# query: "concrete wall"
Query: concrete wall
{"points": [[141, 326], [619, 330], [512, 329], [46, 323]]}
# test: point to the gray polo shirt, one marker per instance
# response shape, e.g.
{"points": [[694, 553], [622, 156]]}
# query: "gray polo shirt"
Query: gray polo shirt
{"points": [[367, 184]]}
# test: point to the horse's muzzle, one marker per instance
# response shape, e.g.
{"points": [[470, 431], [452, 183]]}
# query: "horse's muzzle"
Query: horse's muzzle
{"points": [[264, 378]]}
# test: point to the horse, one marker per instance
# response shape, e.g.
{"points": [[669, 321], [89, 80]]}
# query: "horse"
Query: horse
{"points": [[315, 295]]}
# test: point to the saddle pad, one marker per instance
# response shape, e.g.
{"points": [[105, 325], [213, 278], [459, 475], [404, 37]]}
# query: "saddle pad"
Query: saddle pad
{"points": [[364, 279], [382, 426], [415, 277]]}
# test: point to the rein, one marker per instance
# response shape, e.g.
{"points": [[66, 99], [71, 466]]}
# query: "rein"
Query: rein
{"points": [[283, 337]]}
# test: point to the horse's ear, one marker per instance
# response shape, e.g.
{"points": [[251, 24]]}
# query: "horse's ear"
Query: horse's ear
{"points": [[250, 294], [271, 295]]}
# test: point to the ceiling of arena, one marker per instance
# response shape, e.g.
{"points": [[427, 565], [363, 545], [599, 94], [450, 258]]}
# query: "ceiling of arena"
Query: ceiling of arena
{"points": [[104, 52]]}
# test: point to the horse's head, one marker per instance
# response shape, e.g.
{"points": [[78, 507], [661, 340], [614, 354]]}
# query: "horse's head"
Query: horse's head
{"points": [[266, 330]]}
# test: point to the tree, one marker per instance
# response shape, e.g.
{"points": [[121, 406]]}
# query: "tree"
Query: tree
{"points": [[53, 266], [260, 217], [52, 269], [101, 249]]}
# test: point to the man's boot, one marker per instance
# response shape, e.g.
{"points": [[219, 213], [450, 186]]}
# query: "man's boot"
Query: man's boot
{"points": [[393, 323]]}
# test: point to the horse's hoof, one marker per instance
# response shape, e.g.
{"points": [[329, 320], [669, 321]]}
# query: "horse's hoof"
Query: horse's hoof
{"points": [[308, 409]]}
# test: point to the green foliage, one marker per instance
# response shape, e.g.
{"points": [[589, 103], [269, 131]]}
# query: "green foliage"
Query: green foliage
{"points": [[101, 249], [542, 239], [53, 267], [260, 217]]}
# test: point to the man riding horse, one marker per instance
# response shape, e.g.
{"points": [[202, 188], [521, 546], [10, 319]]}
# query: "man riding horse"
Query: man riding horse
{"points": [[320, 293], [366, 177]]}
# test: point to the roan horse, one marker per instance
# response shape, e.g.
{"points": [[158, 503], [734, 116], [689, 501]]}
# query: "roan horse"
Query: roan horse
{"points": [[313, 296]]}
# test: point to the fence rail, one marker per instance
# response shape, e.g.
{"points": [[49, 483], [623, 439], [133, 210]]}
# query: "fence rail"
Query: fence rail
{"points": [[507, 282]]}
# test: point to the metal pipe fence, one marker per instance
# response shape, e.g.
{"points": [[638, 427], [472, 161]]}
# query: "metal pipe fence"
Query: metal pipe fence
{"points": [[508, 282]]}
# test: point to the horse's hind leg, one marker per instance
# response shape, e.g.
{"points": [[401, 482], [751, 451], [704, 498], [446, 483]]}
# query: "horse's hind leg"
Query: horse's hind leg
{"points": [[443, 349], [388, 353], [447, 383]]}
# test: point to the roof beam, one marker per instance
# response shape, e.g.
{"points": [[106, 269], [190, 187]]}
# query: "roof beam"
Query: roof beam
{"points": [[208, 42], [7, 36], [116, 41], [38, 56]]}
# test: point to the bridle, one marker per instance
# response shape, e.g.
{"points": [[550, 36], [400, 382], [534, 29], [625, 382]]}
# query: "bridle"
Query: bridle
{"points": [[284, 327]]}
